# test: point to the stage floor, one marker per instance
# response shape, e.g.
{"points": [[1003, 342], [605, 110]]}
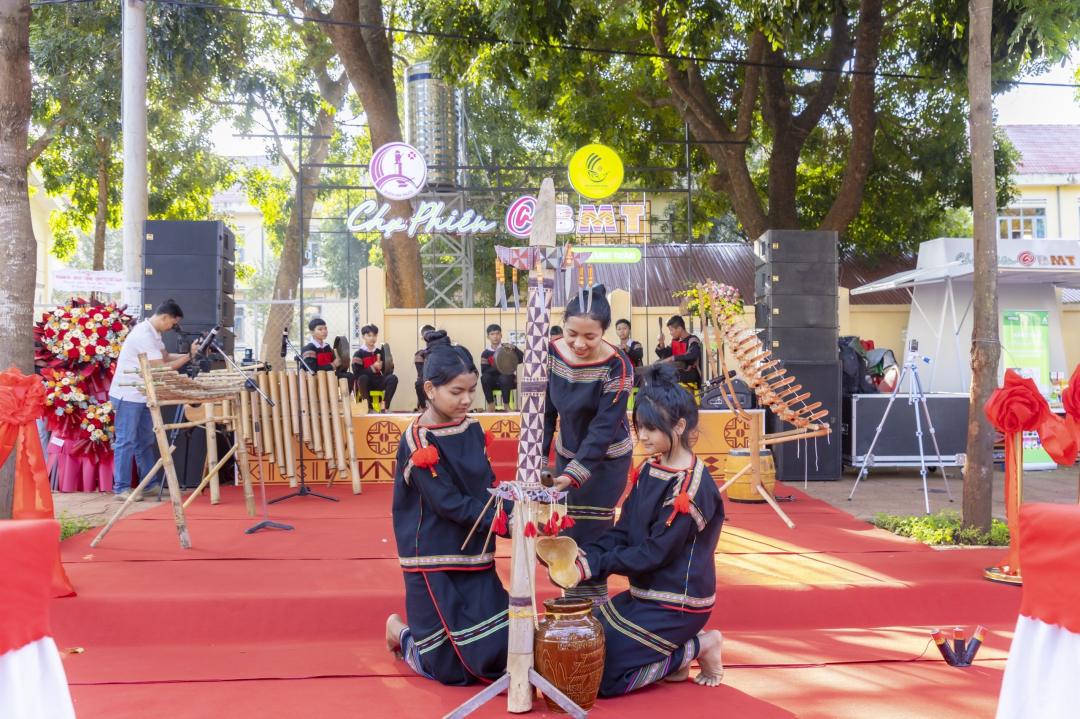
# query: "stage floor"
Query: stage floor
{"points": [[828, 620]]}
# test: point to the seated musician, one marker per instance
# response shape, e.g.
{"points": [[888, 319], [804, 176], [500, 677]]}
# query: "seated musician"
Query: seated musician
{"points": [[491, 378], [319, 355], [367, 366], [663, 543], [685, 349], [418, 361], [634, 350]]}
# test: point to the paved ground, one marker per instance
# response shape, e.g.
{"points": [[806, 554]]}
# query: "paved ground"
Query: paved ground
{"points": [[899, 491], [98, 507]]}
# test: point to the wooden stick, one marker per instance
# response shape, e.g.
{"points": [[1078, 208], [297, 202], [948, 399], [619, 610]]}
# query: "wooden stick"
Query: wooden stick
{"points": [[275, 416], [226, 416], [755, 477], [241, 458], [350, 439], [266, 433], [287, 437], [338, 427], [294, 401], [127, 503], [324, 420], [477, 522], [211, 455], [734, 477], [305, 415], [167, 463], [795, 438], [245, 415], [206, 480], [316, 424]]}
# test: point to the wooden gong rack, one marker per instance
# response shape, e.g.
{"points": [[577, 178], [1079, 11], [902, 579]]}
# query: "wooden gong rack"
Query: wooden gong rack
{"points": [[774, 387]]}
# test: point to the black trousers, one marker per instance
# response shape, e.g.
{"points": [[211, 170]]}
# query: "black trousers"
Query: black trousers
{"points": [[366, 383], [492, 381], [421, 398]]}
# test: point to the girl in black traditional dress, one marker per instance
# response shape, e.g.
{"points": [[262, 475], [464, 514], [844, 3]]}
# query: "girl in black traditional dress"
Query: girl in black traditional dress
{"points": [[664, 544], [589, 383], [455, 603]]}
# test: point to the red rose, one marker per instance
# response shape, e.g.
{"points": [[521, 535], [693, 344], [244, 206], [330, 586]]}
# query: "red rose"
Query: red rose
{"points": [[1018, 406], [59, 401], [73, 352], [50, 332], [117, 326], [102, 331], [102, 342], [97, 423], [83, 320]]}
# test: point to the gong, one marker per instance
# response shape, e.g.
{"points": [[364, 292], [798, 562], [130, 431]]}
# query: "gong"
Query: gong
{"points": [[506, 359], [341, 351], [387, 359]]}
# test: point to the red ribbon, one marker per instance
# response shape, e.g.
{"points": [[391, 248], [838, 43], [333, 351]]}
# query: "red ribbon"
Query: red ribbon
{"points": [[1017, 407]]}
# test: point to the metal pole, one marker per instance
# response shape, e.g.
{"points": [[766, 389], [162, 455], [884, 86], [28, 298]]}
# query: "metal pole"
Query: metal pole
{"points": [[133, 123]]}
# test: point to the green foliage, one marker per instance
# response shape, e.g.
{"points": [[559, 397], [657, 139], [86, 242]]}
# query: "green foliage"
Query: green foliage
{"points": [[275, 197], [945, 527], [70, 525]]}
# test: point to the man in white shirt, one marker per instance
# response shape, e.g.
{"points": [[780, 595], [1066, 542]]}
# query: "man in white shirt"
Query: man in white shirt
{"points": [[133, 425]]}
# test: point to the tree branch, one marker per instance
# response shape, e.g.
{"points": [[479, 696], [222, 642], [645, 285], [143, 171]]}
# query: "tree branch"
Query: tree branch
{"points": [[43, 141], [281, 150]]}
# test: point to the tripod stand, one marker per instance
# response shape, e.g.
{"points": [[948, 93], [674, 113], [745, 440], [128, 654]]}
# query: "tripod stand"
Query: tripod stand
{"points": [[303, 490], [915, 396]]}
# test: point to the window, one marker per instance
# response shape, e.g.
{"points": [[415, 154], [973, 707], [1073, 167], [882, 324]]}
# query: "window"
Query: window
{"points": [[1022, 222]]}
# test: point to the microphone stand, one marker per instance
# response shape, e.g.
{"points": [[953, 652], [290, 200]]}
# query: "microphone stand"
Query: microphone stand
{"points": [[303, 490]]}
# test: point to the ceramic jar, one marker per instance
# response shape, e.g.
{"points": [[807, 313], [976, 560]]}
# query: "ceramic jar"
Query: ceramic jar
{"points": [[569, 650]]}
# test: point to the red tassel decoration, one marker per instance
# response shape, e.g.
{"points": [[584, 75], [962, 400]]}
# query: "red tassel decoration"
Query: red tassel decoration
{"points": [[489, 438], [552, 526], [634, 473], [682, 503], [567, 522], [499, 525], [530, 530], [426, 457]]}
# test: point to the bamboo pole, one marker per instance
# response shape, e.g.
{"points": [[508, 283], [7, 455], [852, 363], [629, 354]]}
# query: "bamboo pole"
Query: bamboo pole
{"points": [[275, 416], [338, 427], [324, 419], [294, 404], [218, 464], [245, 415], [265, 427], [287, 438], [241, 458], [305, 414], [313, 404], [350, 439], [211, 454], [166, 455], [226, 415], [127, 503]]}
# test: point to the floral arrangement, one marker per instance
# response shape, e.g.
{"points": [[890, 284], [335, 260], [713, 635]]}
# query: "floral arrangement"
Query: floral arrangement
{"points": [[729, 300], [79, 343]]}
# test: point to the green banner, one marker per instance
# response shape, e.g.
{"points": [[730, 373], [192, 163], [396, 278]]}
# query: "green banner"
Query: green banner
{"points": [[1026, 340], [619, 255]]}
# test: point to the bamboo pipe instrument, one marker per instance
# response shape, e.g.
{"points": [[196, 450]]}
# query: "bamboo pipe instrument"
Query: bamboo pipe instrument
{"points": [[324, 419], [305, 415], [275, 416], [218, 464], [350, 440], [266, 434], [241, 458], [287, 438], [211, 454], [316, 424], [294, 404], [337, 425], [245, 416]]}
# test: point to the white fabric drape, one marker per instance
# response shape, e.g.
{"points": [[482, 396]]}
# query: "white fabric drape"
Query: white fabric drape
{"points": [[33, 684], [1042, 676]]}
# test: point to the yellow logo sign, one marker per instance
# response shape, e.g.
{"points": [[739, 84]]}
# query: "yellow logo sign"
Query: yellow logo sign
{"points": [[595, 171]]}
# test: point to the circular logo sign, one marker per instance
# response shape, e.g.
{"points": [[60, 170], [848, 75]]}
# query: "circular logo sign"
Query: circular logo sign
{"points": [[737, 434], [505, 428], [398, 171], [519, 218], [383, 437], [595, 171], [1026, 259]]}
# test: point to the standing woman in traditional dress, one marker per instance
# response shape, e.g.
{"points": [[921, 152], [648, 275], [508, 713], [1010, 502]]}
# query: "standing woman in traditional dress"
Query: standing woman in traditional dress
{"points": [[589, 383], [455, 603], [664, 544]]}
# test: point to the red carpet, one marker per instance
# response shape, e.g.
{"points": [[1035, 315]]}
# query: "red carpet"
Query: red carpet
{"points": [[830, 619]]}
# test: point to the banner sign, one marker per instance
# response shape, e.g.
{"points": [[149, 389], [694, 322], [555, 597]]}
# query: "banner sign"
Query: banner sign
{"points": [[87, 281], [1025, 339], [427, 219], [595, 171], [614, 255]]}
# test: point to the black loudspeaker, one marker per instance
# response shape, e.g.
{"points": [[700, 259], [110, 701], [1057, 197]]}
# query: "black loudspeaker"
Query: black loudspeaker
{"points": [[809, 311], [801, 344], [188, 238], [188, 272], [817, 458], [200, 307], [796, 278], [190, 454], [796, 246]]}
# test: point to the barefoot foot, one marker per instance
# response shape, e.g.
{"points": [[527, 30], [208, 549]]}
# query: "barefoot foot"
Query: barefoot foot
{"points": [[709, 657], [394, 627], [679, 676]]}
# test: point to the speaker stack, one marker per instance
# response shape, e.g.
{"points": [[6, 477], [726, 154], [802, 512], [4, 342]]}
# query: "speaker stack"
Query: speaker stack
{"points": [[193, 263], [796, 283]]}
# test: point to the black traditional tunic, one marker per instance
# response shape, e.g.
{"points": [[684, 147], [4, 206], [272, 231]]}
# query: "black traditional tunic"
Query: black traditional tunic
{"points": [[492, 379], [456, 606], [418, 360], [667, 555], [368, 378], [592, 447], [635, 352], [318, 356], [686, 350]]}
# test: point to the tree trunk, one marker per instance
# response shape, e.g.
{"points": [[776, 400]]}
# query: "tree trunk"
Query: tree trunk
{"points": [[365, 54], [18, 248], [101, 218], [985, 349]]}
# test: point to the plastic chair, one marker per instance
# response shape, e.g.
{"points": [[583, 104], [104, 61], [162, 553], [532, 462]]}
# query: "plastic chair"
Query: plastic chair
{"points": [[630, 402], [376, 400], [497, 395]]}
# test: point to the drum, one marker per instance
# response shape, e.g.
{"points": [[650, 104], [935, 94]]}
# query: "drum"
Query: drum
{"points": [[506, 359], [740, 491], [387, 359]]}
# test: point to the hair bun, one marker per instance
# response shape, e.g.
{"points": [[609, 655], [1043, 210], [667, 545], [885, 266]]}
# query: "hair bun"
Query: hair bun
{"points": [[661, 374], [436, 338], [599, 289]]}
